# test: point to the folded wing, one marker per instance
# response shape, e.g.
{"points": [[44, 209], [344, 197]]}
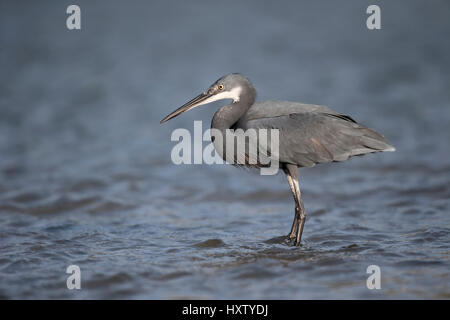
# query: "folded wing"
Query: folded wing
{"points": [[310, 134]]}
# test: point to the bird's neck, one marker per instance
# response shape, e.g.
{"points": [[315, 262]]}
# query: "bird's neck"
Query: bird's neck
{"points": [[228, 115]]}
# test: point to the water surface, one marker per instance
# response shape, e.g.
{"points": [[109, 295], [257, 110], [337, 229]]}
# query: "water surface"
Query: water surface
{"points": [[86, 176]]}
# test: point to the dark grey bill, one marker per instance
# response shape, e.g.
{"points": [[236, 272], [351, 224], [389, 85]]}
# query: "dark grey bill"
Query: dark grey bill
{"points": [[187, 106]]}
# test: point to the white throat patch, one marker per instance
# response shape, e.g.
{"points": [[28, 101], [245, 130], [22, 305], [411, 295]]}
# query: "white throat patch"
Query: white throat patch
{"points": [[233, 94]]}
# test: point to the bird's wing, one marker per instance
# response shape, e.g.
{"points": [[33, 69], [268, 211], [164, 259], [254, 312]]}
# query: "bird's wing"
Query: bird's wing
{"points": [[318, 136], [274, 108]]}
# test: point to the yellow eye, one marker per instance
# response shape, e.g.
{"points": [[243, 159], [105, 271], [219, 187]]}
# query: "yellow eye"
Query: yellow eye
{"points": [[220, 87]]}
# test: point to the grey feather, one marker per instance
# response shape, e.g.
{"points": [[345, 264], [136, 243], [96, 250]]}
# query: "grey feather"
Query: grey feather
{"points": [[311, 134]]}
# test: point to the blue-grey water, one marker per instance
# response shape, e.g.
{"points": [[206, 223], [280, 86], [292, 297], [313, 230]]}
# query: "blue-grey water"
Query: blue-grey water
{"points": [[86, 176]]}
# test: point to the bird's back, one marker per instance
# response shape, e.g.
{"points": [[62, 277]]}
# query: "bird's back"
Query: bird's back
{"points": [[310, 134], [276, 108]]}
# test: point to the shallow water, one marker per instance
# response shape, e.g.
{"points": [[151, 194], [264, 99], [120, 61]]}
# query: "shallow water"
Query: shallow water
{"points": [[86, 176]]}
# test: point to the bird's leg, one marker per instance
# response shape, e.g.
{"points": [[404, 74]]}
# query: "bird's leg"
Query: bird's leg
{"points": [[300, 213], [293, 234]]}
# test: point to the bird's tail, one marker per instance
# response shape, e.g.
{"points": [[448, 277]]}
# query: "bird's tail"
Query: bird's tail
{"points": [[375, 141]]}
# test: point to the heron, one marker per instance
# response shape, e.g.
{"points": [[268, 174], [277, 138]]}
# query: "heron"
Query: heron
{"points": [[308, 134]]}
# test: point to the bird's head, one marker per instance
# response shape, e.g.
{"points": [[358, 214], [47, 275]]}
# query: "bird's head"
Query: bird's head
{"points": [[230, 86]]}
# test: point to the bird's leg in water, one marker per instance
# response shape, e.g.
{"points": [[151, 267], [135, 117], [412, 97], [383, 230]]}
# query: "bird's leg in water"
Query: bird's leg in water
{"points": [[291, 172], [292, 235]]}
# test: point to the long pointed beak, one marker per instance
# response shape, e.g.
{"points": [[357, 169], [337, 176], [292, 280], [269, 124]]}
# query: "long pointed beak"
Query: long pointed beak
{"points": [[197, 101]]}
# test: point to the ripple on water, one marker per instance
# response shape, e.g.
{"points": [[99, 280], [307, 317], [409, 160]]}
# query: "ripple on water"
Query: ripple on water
{"points": [[60, 205], [210, 243], [110, 206]]}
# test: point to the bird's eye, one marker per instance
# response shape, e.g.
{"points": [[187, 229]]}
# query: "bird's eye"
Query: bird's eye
{"points": [[220, 86]]}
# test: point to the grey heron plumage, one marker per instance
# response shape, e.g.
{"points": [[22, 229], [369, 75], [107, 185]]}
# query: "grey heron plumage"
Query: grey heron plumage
{"points": [[308, 134]]}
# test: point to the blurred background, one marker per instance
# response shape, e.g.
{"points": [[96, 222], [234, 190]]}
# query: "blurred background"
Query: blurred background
{"points": [[86, 176]]}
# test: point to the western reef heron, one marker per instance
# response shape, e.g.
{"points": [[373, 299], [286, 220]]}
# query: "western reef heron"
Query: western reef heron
{"points": [[308, 134]]}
